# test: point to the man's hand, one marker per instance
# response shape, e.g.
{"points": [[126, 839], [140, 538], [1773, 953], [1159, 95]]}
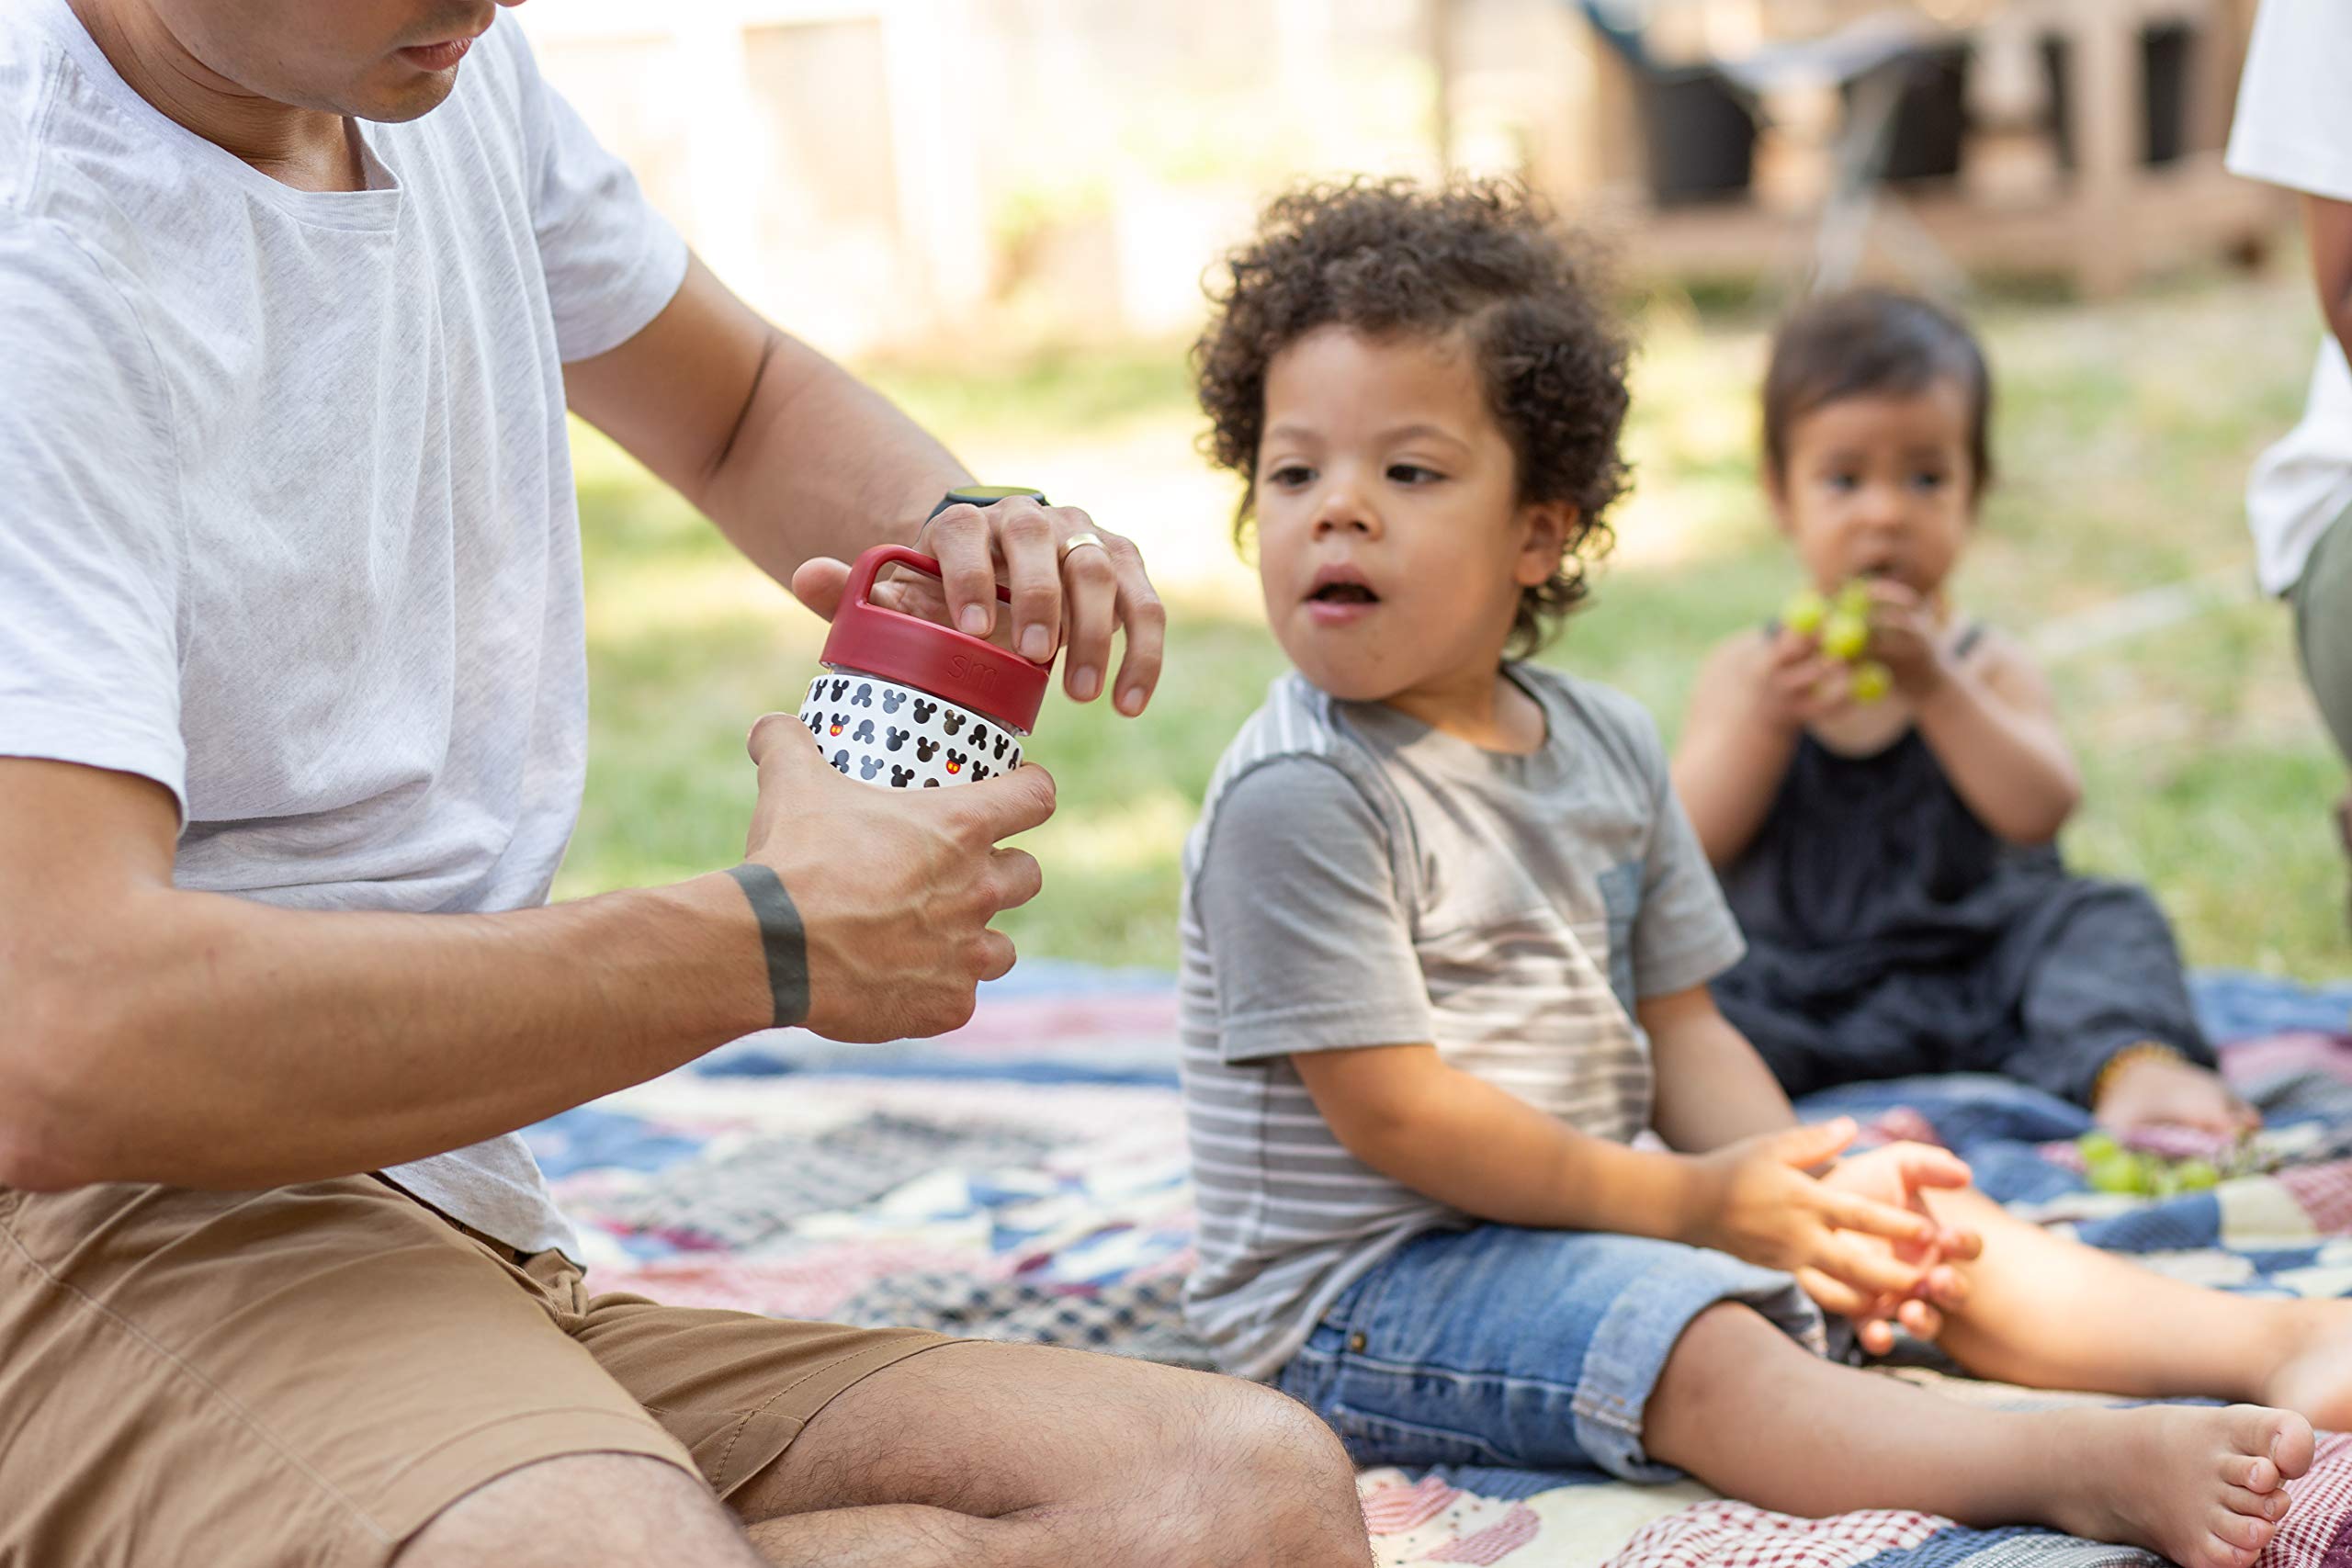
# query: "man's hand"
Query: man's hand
{"points": [[800, 464], [1898, 1175], [1851, 1251], [895, 888], [1073, 600]]}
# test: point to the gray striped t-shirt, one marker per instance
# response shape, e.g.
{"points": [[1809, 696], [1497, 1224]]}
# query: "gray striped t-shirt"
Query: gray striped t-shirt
{"points": [[1358, 879]]}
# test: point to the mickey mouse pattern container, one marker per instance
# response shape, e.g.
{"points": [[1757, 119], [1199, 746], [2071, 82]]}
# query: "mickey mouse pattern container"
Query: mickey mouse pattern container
{"points": [[907, 704]]}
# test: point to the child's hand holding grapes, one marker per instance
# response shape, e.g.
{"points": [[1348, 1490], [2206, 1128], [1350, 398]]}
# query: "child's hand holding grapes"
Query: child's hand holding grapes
{"points": [[1909, 637], [1840, 627], [1801, 684]]}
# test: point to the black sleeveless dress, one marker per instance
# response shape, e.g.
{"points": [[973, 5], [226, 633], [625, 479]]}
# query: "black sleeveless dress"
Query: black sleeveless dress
{"points": [[1891, 932]]}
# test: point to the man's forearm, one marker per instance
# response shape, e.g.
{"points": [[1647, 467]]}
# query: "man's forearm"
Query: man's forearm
{"points": [[790, 455], [245, 1045], [824, 465]]}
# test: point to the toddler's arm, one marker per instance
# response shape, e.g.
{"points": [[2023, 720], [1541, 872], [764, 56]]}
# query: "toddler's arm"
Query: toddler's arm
{"points": [[1988, 718], [1712, 1085], [1401, 1110], [1745, 715]]}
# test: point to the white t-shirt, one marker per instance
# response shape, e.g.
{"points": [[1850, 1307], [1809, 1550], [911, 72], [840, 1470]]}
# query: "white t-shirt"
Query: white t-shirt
{"points": [[2294, 129], [286, 519]]}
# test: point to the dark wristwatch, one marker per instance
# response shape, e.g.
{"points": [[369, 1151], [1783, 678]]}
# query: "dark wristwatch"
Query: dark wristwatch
{"points": [[984, 495]]}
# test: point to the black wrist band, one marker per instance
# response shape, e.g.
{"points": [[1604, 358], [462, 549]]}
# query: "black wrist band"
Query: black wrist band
{"points": [[781, 936]]}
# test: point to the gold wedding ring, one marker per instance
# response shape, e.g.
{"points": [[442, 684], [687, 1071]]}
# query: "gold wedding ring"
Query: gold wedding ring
{"points": [[1084, 541]]}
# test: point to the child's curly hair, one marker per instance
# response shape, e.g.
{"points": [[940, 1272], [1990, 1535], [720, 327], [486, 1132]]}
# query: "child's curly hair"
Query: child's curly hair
{"points": [[1482, 258]]}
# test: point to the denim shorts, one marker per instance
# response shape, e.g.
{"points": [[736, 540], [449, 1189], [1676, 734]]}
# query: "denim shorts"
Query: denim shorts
{"points": [[1530, 1349]]}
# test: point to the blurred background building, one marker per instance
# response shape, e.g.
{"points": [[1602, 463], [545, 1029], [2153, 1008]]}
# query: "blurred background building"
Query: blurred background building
{"points": [[879, 173]]}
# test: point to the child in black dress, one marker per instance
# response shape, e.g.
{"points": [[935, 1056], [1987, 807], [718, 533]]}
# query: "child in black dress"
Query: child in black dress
{"points": [[1893, 861]]}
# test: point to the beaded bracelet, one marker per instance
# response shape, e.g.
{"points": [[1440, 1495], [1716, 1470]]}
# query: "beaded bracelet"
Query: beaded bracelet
{"points": [[2145, 1051]]}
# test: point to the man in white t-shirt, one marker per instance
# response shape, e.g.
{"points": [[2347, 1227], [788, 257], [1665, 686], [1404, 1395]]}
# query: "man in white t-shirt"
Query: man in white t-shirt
{"points": [[293, 299], [2294, 129]]}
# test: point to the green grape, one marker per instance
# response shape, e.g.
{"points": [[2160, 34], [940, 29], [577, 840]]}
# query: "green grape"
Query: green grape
{"points": [[2119, 1172], [1873, 681], [1803, 613], [2099, 1145], [1854, 597], [1844, 636], [2196, 1175]]}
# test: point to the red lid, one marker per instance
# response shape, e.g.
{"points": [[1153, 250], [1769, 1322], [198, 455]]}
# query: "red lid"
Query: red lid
{"points": [[965, 670]]}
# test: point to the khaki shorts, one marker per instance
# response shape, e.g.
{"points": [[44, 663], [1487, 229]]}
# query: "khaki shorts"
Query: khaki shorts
{"points": [[310, 1374]]}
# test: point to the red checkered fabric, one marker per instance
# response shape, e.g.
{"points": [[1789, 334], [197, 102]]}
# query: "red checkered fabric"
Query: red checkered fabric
{"points": [[2325, 1192], [2317, 1530], [1724, 1534]]}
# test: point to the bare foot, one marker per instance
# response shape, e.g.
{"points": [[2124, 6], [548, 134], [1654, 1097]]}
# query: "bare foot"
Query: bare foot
{"points": [[2202, 1486], [2313, 1376]]}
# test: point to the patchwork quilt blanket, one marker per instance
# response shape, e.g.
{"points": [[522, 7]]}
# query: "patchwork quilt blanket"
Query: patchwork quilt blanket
{"points": [[1024, 1178]]}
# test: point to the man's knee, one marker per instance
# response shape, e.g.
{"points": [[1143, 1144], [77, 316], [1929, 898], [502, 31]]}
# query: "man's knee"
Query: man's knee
{"points": [[584, 1508], [1273, 1458]]}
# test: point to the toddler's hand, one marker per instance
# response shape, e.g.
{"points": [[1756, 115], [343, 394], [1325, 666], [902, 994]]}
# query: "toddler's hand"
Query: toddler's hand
{"points": [[1801, 684], [1899, 1174], [2160, 1092], [1765, 1206], [1905, 639]]}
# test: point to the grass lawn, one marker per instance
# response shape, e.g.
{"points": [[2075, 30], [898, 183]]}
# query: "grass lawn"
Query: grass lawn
{"points": [[2124, 433]]}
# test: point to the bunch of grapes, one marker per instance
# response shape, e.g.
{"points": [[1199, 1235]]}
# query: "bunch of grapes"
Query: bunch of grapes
{"points": [[1842, 627], [2111, 1167]]}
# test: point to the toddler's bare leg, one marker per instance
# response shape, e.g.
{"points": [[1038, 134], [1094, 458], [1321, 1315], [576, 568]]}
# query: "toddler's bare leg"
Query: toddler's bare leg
{"points": [[2050, 1314], [1754, 1415]]}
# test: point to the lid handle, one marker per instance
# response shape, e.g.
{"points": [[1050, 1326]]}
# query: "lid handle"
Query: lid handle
{"points": [[856, 600], [915, 651]]}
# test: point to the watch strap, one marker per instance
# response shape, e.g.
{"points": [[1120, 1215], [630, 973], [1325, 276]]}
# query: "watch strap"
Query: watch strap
{"points": [[984, 495]]}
